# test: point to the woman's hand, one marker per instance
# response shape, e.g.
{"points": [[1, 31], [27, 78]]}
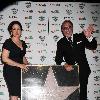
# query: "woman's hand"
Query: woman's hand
{"points": [[24, 67]]}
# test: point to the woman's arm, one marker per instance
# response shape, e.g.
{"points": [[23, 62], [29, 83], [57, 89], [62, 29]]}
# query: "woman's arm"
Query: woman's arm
{"points": [[7, 60], [25, 61]]}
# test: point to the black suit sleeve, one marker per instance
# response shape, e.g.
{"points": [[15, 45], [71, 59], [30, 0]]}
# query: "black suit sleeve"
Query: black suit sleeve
{"points": [[59, 54], [89, 45]]}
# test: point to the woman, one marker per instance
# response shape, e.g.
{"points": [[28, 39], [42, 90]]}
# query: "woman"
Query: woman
{"points": [[13, 58]]}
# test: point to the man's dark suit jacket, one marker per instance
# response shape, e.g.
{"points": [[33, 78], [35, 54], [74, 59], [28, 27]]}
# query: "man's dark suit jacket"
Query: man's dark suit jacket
{"points": [[75, 53]]}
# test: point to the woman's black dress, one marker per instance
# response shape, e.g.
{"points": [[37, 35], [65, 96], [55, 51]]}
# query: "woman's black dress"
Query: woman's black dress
{"points": [[12, 74]]}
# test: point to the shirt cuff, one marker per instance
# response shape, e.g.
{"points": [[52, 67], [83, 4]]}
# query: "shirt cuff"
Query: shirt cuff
{"points": [[90, 38], [63, 63]]}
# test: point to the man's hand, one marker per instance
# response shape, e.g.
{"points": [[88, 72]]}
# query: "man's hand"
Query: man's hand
{"points": [[88, 32], [68, 67]]}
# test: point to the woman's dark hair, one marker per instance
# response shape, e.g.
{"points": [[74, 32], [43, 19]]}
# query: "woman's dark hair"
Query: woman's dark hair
{"points": [[11, 25]]}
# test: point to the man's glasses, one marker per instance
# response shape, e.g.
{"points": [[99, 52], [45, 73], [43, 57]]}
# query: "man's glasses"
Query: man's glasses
{"points": [[65, 28]]}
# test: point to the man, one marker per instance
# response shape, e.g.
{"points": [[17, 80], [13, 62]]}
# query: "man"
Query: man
{"points": [[73, 52]]}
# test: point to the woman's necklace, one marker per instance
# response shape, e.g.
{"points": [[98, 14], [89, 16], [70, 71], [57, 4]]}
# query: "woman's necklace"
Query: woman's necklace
{"points": [[18, 43]]}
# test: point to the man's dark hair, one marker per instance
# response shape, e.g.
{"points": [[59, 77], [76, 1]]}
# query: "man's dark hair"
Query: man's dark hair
{"points": [[66, 21]]}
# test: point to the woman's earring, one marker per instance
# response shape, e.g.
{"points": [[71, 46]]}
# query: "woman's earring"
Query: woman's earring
{"points": [[11, 34]]}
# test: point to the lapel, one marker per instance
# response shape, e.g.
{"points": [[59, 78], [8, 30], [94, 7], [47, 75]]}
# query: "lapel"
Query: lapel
{"points": [[68, 42], [78, 40]]}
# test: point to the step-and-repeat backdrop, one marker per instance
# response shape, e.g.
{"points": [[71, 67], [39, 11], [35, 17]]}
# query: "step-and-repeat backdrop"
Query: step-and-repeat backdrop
{"points": [[41, 23]]}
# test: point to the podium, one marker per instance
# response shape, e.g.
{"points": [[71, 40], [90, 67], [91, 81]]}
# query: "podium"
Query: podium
{"points": [[44, 82]]}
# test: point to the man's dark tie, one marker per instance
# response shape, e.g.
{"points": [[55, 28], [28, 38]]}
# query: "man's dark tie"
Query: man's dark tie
{"points": [[71, 43], [70, 40]]}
